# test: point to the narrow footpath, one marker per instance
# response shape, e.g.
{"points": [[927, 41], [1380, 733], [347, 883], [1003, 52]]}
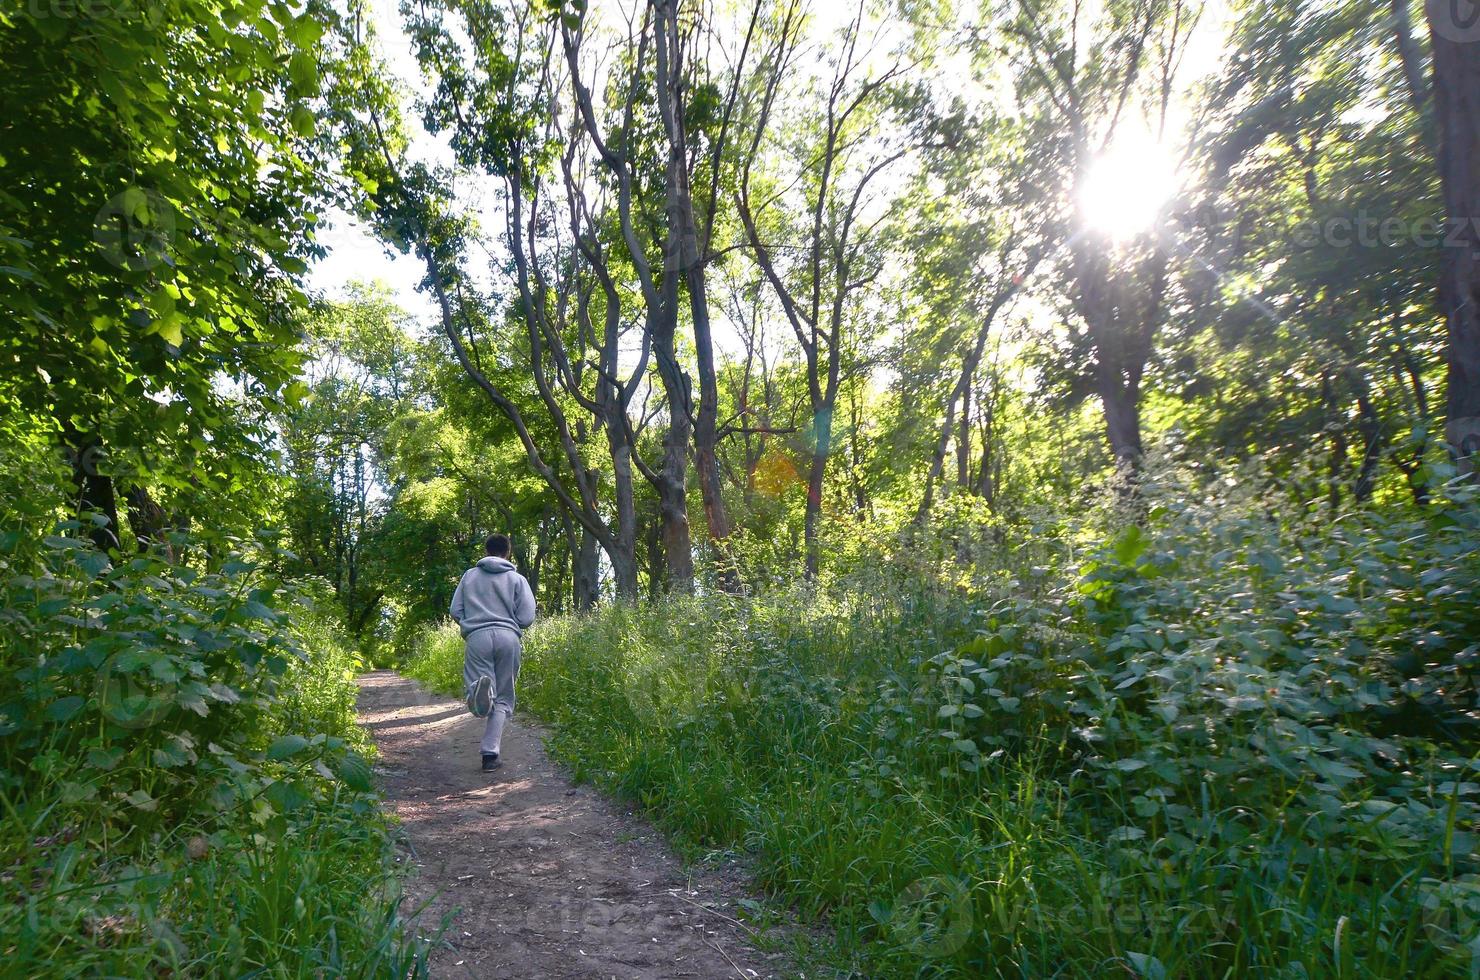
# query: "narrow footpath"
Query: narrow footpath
{"points": [[541, 878]]}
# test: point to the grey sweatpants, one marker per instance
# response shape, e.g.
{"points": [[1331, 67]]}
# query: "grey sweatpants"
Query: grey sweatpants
{"points": [[493, 652]]}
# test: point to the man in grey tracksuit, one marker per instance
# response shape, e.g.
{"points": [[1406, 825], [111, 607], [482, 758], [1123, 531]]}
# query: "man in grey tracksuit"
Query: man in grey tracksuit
{"points": [[493, 605]]}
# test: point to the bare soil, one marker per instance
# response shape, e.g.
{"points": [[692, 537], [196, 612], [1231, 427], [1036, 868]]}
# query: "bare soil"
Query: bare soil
{"points": [[540, 878]]}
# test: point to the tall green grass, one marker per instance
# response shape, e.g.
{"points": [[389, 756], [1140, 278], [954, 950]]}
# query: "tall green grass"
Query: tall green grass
{"points": [[1185, 753]]}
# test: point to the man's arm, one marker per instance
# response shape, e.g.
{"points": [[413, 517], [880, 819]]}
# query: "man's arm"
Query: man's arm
{"points": [[525, 612], [457, 602]]}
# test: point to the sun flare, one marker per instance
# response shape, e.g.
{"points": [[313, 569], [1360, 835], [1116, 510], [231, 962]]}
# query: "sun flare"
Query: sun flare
{"points": [[1127, 188]]}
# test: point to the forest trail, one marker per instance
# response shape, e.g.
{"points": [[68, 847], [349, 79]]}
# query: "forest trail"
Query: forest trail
{"points": [[544, 879]]}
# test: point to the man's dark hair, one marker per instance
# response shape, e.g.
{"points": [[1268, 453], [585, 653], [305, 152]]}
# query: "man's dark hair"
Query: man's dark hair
{"points": [[497, 545]]}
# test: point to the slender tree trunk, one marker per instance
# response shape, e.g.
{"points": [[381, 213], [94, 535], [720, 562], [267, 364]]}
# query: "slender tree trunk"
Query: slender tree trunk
{"points": [[1369, 427], [1408, 376], [1456, 49], [822, 445], [557, 590], [1121, 308], [937, 461], [1336, 460], [986, 485], [963, 439], [672, 476], [1412, 61], [537, 563], [855, 449]]}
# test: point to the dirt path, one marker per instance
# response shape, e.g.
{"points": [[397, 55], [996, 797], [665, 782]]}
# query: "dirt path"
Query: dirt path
{"points": [[543, 878]]}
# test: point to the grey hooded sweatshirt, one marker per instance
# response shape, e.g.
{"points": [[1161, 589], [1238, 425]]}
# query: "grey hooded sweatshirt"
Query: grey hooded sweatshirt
{"points": [[492, 593]]}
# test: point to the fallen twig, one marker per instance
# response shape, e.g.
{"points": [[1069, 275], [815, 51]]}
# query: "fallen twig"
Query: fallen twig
{"points": [[735, 922]]}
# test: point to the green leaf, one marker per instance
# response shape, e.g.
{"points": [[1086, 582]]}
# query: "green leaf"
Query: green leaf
{"points": [[286, 745], [254, 609], [303, 121], [1130, 545], [170, 330], [295, 393], [65, 708], [303, 73], [285, 796], [355, 772], [1147, 965]]}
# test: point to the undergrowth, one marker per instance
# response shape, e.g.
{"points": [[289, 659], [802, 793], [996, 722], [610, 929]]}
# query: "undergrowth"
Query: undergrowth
{"points": [[183, 788], [1220, 742]]}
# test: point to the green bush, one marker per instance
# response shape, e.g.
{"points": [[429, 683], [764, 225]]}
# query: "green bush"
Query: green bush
{"points": [[183, 785], [1222, 742]]}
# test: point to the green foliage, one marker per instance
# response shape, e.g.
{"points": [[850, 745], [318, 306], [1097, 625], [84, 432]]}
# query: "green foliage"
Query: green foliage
{"points": [[436, 658], [1201, 748], [155, 220], [182, 782]]}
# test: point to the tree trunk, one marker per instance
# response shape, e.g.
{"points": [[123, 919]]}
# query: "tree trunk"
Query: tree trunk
{"points": [[822, 445], [673, 510], [1369, 427], [586, 573], [623, 553], [1336, 460], [690, 264], [537, 563], [1412, 61], [654, 538], [1122, 404], [937, 461], [94, 489], [673, 475], [963, 439], [1408, 376], [624, 572], [147, 518], [986, 484], [1121, 307], [1456, 49], [855, 448]]}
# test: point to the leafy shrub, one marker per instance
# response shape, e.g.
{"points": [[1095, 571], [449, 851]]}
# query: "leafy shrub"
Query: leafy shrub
{"points": [[181, 777]]}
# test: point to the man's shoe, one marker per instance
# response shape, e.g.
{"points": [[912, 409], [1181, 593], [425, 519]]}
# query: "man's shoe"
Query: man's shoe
{"points": [[491, 761], [480, 702]]}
